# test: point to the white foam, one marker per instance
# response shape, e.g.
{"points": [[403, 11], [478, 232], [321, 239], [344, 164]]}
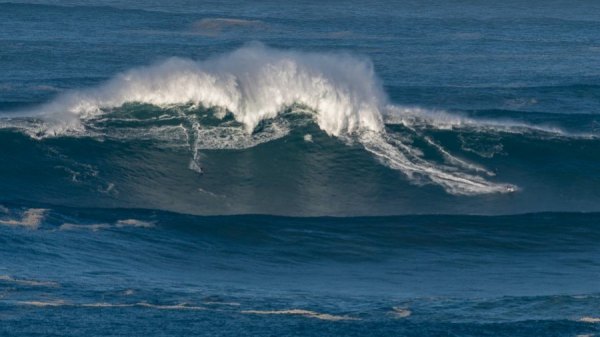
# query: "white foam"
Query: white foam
{"points": [[421, 171], [100, 226], [57, 303], [589, 319], [92, 227], [34, 283], [218, 138], [62, 303], [171, 135], [31, 218], [232, 304], [442, 120], [456, 161], [401, 312], [106, 305], [134, 223], [303, 313], [179, 306]]}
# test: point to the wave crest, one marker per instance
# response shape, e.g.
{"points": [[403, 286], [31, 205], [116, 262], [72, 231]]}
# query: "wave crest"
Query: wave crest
{"points": [[254, 83]]}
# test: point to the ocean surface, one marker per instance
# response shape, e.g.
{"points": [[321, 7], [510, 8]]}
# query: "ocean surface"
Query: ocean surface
{"points": [[237, 168]]}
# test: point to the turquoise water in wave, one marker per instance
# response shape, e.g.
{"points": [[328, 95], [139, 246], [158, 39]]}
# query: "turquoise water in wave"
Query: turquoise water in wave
{"points": [[414, 168]]}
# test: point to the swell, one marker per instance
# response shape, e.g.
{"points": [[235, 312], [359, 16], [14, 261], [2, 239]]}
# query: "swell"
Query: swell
{"points": [[76, 249], [539, 232]]}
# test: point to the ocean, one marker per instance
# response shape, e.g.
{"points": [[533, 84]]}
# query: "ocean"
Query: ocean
{"points": [[326, 168]]}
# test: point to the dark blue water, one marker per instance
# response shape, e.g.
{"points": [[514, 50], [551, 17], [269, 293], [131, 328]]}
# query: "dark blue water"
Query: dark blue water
{"points": [[421, 168]]}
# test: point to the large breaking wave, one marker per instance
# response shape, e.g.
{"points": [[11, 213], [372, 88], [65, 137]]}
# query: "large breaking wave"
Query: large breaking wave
{"points": [[246, 92], [253, 83]]}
